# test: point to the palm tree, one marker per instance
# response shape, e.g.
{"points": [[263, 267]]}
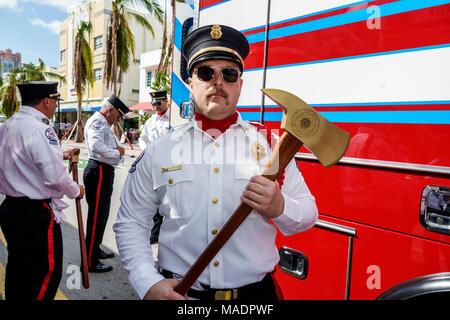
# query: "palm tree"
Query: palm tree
{"points": [[28, 72], [120, 40], [82, 70], [32, 72], [8, 95], [162, 77]]}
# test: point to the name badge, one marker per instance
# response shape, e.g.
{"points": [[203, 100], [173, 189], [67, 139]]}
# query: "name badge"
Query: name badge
{"points": [[171, 168]]}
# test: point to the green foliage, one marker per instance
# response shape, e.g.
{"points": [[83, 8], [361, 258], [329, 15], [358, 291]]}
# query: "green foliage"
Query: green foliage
{"points": [[28, 72], [144, 117], [83, 70], [131, 123], [161, 82], [120, 45]]}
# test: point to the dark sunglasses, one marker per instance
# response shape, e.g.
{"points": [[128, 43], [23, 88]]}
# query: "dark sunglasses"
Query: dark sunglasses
{"points": [[206, 73], [158, 103]]}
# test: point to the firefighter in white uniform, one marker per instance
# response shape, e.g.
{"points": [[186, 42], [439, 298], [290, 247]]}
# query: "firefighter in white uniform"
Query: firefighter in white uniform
{"points": [[198, 175], [158, 124], [34, 180], [155, 127], [105, 152]]}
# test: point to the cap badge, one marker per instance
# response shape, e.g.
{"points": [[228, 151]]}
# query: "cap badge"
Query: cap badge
{"points": [[258, 151], [216, 32]]}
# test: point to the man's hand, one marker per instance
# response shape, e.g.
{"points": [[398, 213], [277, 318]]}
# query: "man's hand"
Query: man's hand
{"points": [[264, 195], [163, 290], [67, 154], [121, 150], [81, 194]]}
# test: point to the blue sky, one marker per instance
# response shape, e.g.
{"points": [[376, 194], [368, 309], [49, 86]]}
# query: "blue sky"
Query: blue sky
{"points": [[31, 27]]}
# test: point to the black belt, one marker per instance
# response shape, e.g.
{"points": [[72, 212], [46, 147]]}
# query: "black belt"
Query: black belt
{"points": [[26, 199], [246, 292], [93, 161]]}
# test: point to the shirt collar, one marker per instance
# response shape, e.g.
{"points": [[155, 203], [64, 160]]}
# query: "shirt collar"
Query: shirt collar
{"points": [[102, 118], [193, 125], [33, 112]]}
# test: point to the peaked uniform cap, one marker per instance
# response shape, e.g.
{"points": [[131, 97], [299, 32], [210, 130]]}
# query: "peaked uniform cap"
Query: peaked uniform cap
{"points": [[158, 95], [119, 105], [215, 42], [34, 90]]}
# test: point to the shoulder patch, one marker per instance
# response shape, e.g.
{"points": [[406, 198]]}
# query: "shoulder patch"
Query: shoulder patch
{"points": [[96, 125], [51, 136], [133, 166]]}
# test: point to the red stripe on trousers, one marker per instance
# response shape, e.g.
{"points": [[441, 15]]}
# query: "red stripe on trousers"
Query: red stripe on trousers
{"points": [[278, 291], [51, 258], [100, 178]]}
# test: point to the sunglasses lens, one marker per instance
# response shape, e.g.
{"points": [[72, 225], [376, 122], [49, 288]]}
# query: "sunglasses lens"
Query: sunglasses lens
{"points": [[230, 74], [205, 73]]}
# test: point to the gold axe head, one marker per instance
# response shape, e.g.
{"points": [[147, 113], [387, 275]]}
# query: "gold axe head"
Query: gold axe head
{"points": [[73, 157], [328, 142]]}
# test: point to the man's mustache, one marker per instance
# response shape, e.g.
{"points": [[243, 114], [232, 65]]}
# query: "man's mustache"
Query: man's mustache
{"points": [[217, 91]]}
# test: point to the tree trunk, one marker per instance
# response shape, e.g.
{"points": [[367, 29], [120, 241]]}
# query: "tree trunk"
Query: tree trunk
{"points": [[79, 136], [114, 23]]}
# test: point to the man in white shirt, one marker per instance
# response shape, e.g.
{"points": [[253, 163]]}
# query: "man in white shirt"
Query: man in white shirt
{"points": [[198, 175], [158, 124], [34, 180], [105, 152], [155, 127]]}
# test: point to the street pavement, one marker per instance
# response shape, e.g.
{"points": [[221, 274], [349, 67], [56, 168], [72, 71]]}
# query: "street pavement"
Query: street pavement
{"points": [[103, 286]]}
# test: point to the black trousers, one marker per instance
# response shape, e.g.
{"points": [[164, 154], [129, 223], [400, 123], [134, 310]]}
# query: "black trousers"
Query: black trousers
{"points": [[98, 179], [35, 249]]}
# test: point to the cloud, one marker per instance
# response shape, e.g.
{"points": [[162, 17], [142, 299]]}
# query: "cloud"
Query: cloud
{"points": [[53, 26], [8, 3], [64, 5]]}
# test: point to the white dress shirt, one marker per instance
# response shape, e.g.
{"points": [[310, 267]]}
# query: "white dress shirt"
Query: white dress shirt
{"points": [[196, 182], [31, 161], [153, 128], [100, 140]]}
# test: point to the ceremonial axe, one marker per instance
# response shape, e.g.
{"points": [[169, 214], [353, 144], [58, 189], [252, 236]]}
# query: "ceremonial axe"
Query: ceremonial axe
{"points": [[303, 126], [73, 167]]}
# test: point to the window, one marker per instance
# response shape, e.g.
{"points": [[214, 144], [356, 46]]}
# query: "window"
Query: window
{"points": [[98, 42], [98, 74], [63, 56], [149, 79]]}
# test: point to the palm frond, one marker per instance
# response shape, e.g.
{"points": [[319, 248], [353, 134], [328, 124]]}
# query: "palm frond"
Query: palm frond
{"points": [[143, 22]]}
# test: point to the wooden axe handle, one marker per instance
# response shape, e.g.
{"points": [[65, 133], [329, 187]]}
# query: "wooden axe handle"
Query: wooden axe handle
{"points": [[84, 264], [285, 149]]}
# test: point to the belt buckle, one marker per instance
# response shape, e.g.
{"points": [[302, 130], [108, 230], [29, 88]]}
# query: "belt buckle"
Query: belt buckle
{"points": [[226, 294]]}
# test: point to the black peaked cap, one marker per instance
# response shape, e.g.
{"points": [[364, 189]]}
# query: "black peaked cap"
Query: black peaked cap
{"points": [[215, 42], [34, 90], [118, 104], [158, 95]]}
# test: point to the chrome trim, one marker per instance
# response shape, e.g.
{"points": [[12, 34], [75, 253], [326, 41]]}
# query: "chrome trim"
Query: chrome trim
{"points": [[336, 227], [349, 268], [383, 164], [285, 251]]}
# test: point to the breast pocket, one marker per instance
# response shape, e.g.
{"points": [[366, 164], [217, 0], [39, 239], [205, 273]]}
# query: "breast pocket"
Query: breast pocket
{"points": [[243, 173], [177, 191]]}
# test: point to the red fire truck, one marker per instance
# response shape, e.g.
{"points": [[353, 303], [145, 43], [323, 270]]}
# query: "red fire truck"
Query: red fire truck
{"points": [[381, 71]]}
